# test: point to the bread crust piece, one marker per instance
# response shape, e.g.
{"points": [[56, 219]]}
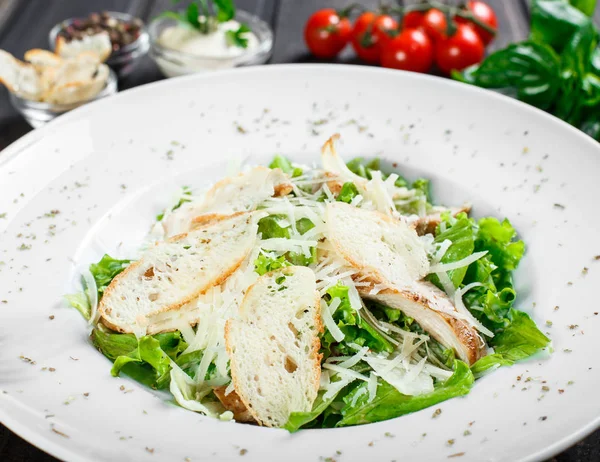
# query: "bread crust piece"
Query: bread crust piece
{"points": [[232, 402], [245, 233], [251, 326], [450, 331]]}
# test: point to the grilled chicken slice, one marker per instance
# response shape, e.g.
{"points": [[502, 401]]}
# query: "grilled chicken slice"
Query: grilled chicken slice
{"points": [[389, 255], [436, 314]]}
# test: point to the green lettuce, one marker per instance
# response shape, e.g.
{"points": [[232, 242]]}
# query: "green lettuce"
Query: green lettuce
{"points": [[460, 233], [389, 403], [186, 192], [515, 334], [264, 264], [347, 193], [356, 330], [520, 339], [298, 420], [285, 165], [359, 166], [146, 360], [270, 227], [105, 271], [81, 303], [488, 364]]}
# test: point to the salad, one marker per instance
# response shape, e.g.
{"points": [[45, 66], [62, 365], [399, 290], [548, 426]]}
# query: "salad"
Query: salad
{"points": [[296, 297]]}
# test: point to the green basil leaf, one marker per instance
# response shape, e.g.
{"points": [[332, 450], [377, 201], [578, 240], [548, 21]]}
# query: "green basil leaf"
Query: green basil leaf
{"points": [[591, 125], [532, 69], [192, 14], [553, 22], [585, 6], [238, 37], [595, 61], [225, 10], [578, 52]]}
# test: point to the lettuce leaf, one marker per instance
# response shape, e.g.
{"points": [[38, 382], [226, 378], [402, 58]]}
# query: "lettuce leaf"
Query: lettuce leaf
{"points": [[347, 193], [186, 192], [147, 360], [297, 420], [390, 403], [269, 227], [515, 334], [264, 264], [520, 339], [423, 185], [498, 238], [488, 364], [285, 165], [81, 303], [105, 271], [460, 233], [356, 330]]}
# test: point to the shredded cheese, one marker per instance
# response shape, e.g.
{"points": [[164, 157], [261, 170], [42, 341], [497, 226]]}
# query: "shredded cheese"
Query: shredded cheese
{"points": [[372, 387], [345, 371], [330, 324], [442, 267]]}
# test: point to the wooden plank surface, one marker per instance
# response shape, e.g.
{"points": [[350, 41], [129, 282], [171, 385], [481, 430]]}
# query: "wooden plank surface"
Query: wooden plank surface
{"points": [[25, 24]]}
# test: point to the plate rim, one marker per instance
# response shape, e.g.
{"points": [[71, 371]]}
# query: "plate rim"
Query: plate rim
{"points": [[44, 442]]}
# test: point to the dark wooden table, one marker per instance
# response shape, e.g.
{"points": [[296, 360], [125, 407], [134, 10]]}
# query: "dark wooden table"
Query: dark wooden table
{"points": [[24, 24]]}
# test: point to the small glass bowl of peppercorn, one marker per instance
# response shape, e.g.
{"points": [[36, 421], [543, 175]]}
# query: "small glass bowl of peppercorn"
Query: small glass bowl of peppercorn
{"points": [[128, 37]]}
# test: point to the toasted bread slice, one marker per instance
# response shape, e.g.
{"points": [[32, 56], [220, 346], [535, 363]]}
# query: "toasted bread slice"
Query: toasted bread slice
{"points": [[429, 306], [42, 58], [174, 272], [99, 44], [384, 249], [274, 345], [68, 90], [242, 193], [18, 77]]}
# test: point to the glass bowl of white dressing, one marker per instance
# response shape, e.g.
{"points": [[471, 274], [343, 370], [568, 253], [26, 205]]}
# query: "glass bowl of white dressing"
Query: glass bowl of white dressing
{"points": [[179, 49]]}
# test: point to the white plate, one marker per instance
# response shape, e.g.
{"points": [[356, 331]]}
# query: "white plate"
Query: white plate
{"points": [[109, 167]]}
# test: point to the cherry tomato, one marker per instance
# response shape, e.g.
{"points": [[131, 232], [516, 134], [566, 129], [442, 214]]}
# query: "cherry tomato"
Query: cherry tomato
{"points": [[435, 24], [412, 20], [459, 51], [412, 50], [370, 33], [486, 15], [326, 33]]}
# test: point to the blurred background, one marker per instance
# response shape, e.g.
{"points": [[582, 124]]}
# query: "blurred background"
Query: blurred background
{"points": [[26, 24], [298, 31]]}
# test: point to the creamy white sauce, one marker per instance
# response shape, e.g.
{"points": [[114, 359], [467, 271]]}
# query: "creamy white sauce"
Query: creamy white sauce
{"points": [[213, 45]]}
